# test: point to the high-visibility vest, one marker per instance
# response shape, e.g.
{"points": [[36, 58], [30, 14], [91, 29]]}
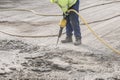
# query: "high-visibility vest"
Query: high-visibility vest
{"points": [[64, 4]]}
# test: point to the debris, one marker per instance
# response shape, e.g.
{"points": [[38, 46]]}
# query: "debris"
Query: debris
{"points": [[57, 63], [12, 68], [2, 72], [17, 44], [99, 79], [113, 78], [38, 69]]}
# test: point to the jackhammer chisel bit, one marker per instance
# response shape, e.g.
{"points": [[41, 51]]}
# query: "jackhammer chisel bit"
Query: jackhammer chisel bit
{"points": [[59, 35], [62, 24]]}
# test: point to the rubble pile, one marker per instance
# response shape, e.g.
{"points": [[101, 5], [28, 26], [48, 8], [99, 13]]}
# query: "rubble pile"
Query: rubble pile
{"points": [[17, 45]]}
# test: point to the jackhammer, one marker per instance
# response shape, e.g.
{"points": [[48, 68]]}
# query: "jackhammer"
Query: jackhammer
{"points": [[62, 24]]}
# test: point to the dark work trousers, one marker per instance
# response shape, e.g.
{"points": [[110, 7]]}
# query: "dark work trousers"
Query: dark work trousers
{"points": [[73, 22]]}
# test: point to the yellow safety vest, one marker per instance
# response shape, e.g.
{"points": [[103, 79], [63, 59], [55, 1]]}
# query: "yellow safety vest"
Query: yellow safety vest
{"points": [[64, 4]]}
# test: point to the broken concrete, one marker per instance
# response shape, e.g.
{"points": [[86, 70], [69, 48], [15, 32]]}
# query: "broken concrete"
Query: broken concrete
{"points": [[2, 72], [59, 64], [39, 58]]}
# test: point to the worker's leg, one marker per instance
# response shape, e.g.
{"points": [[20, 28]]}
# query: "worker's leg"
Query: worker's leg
{"points": [[69, 28], [74, 18], [68, 31]]}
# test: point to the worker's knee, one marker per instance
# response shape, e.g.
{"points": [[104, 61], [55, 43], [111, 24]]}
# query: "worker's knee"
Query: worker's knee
{"points": [[74, 19]]}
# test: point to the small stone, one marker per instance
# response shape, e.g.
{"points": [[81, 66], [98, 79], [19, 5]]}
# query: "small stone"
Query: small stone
{"points": [[81, 70], [70, 72], [12, 68], [41, 69]]}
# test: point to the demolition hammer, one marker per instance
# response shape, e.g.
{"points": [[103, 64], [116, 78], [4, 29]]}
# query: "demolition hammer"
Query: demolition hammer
{"points": [[62, 24]]}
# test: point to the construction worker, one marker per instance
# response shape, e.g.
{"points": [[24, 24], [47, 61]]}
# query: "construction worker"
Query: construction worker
{"points": [[72, 20]]}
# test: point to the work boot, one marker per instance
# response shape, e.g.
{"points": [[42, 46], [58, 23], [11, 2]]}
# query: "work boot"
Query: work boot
{"points": [[67, 39], [77, 41]]}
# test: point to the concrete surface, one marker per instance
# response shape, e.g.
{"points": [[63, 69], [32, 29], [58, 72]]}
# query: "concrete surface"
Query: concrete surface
{"points": [[28, 58]]}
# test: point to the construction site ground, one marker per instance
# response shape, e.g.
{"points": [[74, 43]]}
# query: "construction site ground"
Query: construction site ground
{"points": [[24, 58]]}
